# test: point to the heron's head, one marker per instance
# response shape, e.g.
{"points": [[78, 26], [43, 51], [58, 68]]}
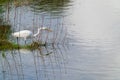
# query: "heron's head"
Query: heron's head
{"points": [[45, 28]]}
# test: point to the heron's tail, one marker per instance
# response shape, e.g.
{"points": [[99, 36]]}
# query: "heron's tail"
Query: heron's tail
{"points": [[12, 34]]}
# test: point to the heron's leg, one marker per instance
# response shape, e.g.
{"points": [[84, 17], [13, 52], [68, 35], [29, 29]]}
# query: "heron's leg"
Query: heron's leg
{"points": [[17, 40], [25, 40]]}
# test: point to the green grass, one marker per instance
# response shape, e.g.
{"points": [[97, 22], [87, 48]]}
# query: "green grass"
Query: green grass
{"points": [[6, 45]]}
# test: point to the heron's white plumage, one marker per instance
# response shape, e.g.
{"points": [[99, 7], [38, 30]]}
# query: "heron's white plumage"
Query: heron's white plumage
{"points": [[23, 33], [26, 33]]}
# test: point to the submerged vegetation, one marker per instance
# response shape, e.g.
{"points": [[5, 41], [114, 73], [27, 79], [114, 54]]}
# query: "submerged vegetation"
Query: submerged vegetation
{"points": [[17, 15]]}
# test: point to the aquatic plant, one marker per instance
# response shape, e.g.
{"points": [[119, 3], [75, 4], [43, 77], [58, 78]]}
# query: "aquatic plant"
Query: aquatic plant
{"points": [[5, 30], [7, 45]]}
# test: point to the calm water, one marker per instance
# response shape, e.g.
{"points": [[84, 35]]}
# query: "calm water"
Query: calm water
{"points": [[95, 39], [92, 44]]}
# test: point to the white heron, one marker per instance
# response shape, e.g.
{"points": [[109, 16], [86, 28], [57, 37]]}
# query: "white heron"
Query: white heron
{"points": [[27, 33]]}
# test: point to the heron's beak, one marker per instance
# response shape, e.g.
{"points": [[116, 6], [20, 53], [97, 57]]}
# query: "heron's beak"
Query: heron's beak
{"points": [[49, 30]]}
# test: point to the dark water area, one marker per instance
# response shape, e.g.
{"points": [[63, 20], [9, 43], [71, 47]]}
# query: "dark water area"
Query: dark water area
{"points": [[85, 33]]}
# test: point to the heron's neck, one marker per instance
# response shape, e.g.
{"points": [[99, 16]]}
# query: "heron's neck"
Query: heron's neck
{"points": [[36, 33]]}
